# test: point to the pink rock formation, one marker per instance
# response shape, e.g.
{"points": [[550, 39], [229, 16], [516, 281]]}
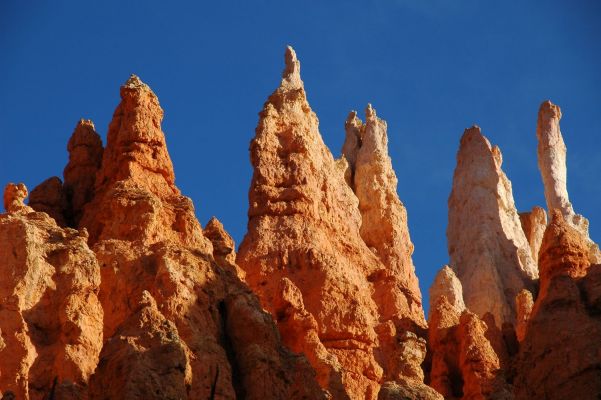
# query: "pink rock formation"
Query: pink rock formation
{"points": [[383, 217], [50, 319], [534, 224], [552, 164], [487, 246], [304, 237], [559, 356]]}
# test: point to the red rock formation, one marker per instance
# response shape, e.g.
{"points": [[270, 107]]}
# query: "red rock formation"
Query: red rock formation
{"points": [[85, 157], [178, 322], [307, 258], [383, 218], [50, 316], [559, 356]]}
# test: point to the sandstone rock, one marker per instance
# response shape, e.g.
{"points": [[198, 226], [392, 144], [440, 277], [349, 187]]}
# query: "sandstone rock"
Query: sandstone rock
{"points": [[407, 390], [85, 157], [465, 363], [170, 307], [49, 197], [487, 246], [552, 164], [304, 226], [523, 306], [135, 194], [564, 251], [304, 253], [50, 319], [383, 218], [224, 248], [14, 198], [534, 224], [446, 284], [559, 356]]}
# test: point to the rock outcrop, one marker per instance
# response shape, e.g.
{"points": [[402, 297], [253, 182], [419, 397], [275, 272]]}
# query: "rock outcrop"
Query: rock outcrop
{"points": [[305, 253], [552, 153], [169, 316], [111, 289], [384, 226], [50, 316], [559, 356], [487, 246]]}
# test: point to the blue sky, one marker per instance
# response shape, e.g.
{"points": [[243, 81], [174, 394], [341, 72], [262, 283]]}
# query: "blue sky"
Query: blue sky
{"points": [[430, 68]]}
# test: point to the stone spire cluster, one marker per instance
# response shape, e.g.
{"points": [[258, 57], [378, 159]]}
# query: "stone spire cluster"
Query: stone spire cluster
{"points": [[111, 288]]}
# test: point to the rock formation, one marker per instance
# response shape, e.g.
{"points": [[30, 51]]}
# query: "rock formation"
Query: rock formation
{"points": [[156, 310], [383, 217], [552, 164], [559, 356], [305, 253], [320, 302], [534, 224], [50, 316], [487, 246]]}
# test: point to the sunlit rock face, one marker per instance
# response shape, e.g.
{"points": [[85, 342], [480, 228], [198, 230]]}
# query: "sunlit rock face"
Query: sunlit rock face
{"points": [[149, 305], [552, 154], [487, 246], [331, 250], [111, 289]]}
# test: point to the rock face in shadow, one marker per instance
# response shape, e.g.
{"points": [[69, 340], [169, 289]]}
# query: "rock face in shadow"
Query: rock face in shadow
{"points": [[559, 357], [306, 253], [487, 246]]}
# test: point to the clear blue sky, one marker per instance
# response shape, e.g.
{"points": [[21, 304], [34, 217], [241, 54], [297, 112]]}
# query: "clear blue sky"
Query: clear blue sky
{"points": [[430, 68]]}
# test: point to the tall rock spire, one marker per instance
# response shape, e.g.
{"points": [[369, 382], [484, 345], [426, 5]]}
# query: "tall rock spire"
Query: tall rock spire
{"points": [[304, 238], [135, 196], [552, 164], [383, 217], [136, 148], [85, 157], [487, 246]]}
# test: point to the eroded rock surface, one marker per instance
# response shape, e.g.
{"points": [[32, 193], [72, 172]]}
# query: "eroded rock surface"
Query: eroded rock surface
{"points": [[534, 224], [384, 226], [559, 356], [552, 153], [50, 316], [306, 256], [487, 246]]}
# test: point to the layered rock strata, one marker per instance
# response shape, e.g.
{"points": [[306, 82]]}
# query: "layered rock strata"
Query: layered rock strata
{"points": [[487, 246], [305, 252]]}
